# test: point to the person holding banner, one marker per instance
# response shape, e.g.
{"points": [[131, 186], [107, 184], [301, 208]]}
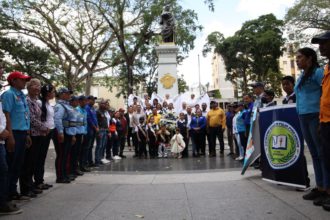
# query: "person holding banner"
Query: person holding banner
{"points": [[324, 46], [308, 93]]}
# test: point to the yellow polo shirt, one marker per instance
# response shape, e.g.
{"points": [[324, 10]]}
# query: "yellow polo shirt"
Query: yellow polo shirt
{"points": [[216, 117], [156, 117]]}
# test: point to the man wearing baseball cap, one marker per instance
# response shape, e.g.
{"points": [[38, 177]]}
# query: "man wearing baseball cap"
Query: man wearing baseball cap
{"points": [[17, 115], [6, 208], [323, 41], [259, 91], [64, 136]]}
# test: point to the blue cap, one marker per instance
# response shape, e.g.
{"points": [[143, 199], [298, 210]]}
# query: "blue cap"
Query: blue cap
{"points": [[82, 97], [64, 90], [257, 84], [91, 97], [322, 37], [74, 98]]}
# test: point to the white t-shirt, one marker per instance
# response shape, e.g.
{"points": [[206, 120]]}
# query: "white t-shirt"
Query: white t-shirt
{"points": [[50, 124]]}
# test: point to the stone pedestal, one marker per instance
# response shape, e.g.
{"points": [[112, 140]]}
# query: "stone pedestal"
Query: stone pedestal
{"points": [[167, 70]]}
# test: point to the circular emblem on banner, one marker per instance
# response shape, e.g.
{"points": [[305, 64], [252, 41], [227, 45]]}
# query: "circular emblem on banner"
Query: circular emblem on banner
{"points": [[282, 145]]}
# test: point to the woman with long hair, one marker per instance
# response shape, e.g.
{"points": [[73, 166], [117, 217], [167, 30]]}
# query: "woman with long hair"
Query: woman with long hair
{"points": [[47, 93], [308, 93]]}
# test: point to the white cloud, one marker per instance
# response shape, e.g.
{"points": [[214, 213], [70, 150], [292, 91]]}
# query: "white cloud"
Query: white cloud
{"points": [[189, 67], [255, 8]]}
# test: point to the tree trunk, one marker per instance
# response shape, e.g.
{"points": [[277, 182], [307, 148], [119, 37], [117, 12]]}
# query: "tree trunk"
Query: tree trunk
{"points": [[129, 78], [89, 82]]}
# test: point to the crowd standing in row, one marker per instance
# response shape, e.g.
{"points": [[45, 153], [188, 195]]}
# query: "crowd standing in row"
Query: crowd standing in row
{"points": [[153, 129]]}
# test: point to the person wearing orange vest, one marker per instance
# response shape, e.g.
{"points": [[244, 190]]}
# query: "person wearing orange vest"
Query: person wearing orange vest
{"points": [[324, 45]]}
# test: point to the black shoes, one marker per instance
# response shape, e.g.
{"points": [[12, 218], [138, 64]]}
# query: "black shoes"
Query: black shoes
{"points": [[313, 194], [9, 209], [326, 204], [79, 173], [29, 194], [63, 181]]}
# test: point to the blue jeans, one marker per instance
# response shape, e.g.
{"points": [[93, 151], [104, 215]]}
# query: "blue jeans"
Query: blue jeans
{"points": [[309, 124], [101, 142], [16, 160], [3, 176]]}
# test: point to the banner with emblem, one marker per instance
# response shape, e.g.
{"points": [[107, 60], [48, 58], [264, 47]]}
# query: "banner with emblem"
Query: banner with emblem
{"points": [[282, 155], [253, 143]]}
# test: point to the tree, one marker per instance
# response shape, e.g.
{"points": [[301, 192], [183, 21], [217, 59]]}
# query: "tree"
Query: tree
{"points": [[183, 87], [309, 14], [135, 23], [22, 55], [252, 53], [78, 37]]}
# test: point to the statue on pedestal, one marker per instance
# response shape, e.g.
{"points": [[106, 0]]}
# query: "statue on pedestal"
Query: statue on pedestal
{"points": [[168, 24]]}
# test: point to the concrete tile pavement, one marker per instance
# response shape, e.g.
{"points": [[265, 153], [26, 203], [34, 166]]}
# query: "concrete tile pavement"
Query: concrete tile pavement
{"points": [[199, 195]]}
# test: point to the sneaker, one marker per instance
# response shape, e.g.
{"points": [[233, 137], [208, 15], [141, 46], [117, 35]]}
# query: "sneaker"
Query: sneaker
{"points": [[10, 209], [239, 158], [326, 204], [117, 157], [319, 201], [313, 194], [105, 161]]}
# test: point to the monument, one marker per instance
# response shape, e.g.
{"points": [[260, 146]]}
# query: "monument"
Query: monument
{"points": [[167, 54]]}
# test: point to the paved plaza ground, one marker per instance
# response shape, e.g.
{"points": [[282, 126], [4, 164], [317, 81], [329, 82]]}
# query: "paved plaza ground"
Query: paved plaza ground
{"points": [[193, 188]]}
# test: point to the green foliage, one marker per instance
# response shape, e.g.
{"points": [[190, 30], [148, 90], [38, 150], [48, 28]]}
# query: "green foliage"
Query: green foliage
{"points": [[22, 55], [138, 34], [309, 14], [183, 87], [252, 53]]}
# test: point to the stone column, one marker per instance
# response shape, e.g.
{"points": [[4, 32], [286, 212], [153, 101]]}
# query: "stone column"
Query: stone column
{"points": [[167, 70]]}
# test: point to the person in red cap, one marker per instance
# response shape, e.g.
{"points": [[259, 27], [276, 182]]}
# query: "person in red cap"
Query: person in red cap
{"points": [[6, 208], [17, 115]]}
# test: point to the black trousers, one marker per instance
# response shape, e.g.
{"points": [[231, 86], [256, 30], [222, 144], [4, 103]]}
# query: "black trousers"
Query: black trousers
{"points": [[185, 152], [75, 153], [62, 155], [28, 169], [197, 139], [202, 142], [122, 142], [143, 148], [325, 145], [230, 139], [40, 165], [135, 143], [243, 139], [215, 132], [153, 147], [129, 135]]}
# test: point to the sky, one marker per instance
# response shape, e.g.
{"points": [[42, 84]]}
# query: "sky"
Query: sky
{"points": [[227, 18]]}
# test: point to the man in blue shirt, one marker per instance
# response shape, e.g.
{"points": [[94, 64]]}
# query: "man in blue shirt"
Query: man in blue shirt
{"points": [[92, 130], [82, 131], [229, 124], [6, 208], [197, 131], [65, 132], [18, 125]]}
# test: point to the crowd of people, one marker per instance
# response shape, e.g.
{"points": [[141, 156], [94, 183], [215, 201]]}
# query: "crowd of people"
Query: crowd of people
{"points": [[152, 128]]}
